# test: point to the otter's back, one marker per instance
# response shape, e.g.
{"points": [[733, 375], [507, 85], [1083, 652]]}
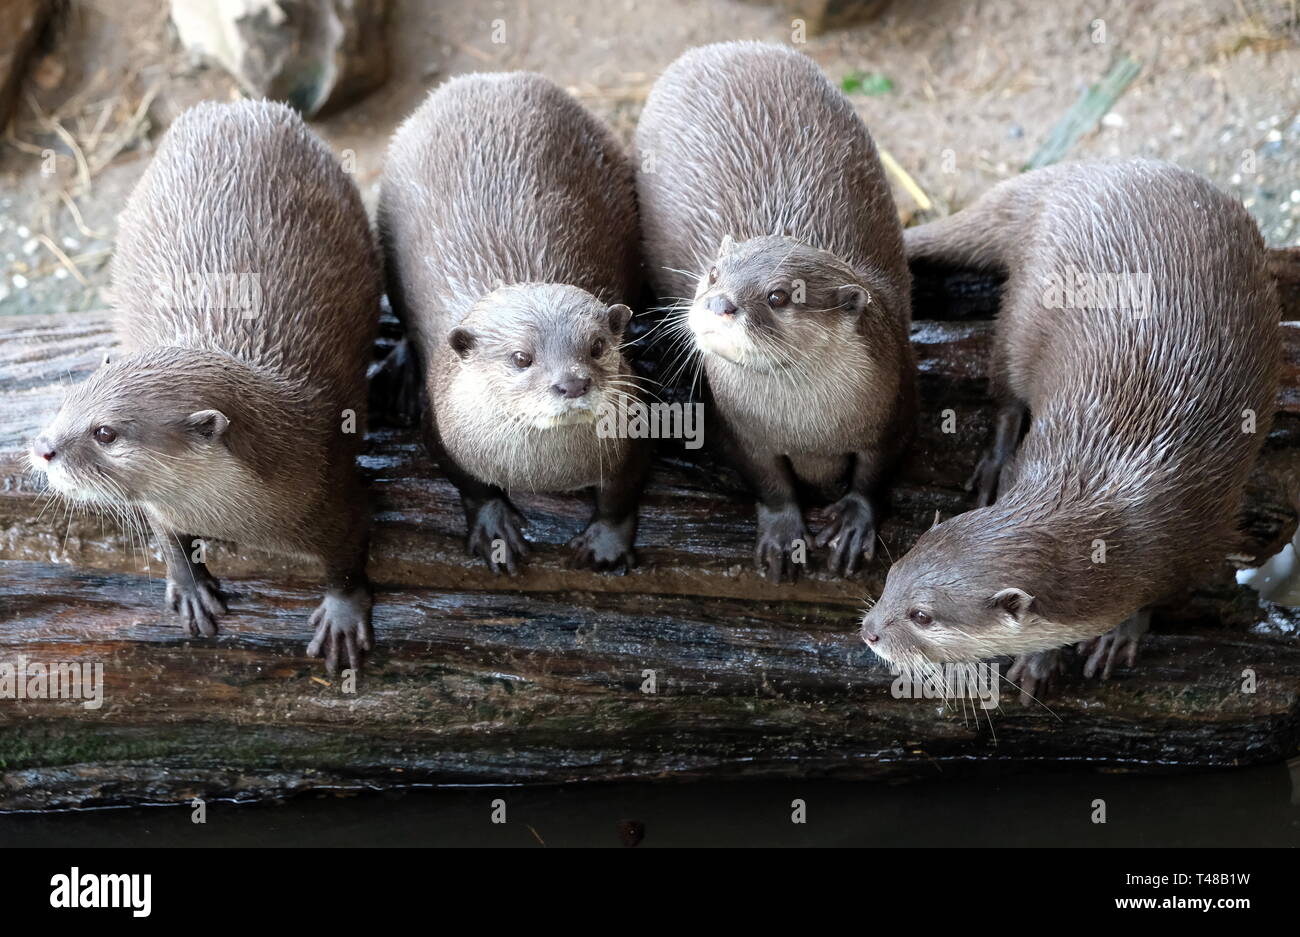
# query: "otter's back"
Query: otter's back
{"points": [[750, 139], [246, 235], [1140, 325], [502, 179]]}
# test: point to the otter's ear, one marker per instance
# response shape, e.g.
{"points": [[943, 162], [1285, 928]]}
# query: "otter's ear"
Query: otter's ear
{"points": [[619, 316], [461, 341], [1015, 602], [854, 298], [207, 424]]}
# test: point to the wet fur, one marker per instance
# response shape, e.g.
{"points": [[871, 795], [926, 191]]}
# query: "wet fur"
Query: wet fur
{"points": [[237, 188], [524, 240], [1136, 432], [749, 141]]}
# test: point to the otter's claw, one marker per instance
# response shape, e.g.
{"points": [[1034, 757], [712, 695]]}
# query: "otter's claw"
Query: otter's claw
{"points": [[197, 599], [496, 536], [1103, 651], [342, 623], [851, 535], [1035, 674], [782, 538], [984, 480], [604, 546]]}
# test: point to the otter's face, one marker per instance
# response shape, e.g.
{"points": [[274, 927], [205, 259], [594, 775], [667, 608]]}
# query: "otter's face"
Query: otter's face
{"points": [[770, 303], [542, 355], [948, 600], [129, 434]]}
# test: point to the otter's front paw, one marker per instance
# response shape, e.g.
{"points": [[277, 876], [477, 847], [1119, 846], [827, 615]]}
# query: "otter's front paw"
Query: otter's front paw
{"points": [[196, 597], [850, 533], [604, 546], [496, 536], [1102, 652], [1035, 674], [342, 623], [782, 543]]}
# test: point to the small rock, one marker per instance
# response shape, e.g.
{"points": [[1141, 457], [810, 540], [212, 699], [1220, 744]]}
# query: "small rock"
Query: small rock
{"points": [[19, 281], [315, 55], [1111, 119], [23, 21], [821, 15]]}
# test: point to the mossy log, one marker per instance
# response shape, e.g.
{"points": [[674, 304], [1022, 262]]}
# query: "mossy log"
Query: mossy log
{"points": [[542, 678]]}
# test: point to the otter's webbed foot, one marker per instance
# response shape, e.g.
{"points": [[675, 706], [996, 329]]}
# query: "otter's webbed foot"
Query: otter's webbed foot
{"points": [[195, 595], [342, 623], [1102, 652], [1035, 674], [782, 543], [984, 480], [496, 536], [991, 467], [604, 546], [850, 533]]}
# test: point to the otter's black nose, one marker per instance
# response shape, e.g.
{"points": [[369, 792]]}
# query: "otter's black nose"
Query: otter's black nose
{"points": [[43, 448], [572, 387], [722, 306]]}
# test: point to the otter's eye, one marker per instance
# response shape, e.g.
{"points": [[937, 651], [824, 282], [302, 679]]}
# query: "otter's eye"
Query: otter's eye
{"points": [[104, 435], [920, 617], [598, 348], [521, 359], [777, 298], [713, 276]]}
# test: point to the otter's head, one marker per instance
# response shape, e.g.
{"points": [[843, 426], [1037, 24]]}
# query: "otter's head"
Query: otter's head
{"points": [[149, 428], [547, 355], [771, 303], [956, 596]]}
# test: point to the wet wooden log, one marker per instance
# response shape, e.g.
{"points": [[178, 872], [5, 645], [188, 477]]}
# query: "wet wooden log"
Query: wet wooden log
{"points": [[543, 678]]}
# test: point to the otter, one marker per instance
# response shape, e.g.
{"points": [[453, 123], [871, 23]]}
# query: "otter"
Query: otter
{"points": [[246, 286], [510, 263], [1138, 334], [769, 223]]}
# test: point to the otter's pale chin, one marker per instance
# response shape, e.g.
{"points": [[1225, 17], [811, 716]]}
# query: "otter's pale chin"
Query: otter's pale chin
{"points": [[574, 417]]}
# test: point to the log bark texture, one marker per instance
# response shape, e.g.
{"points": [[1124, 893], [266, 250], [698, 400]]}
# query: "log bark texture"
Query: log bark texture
{"points": [[541, 678]]}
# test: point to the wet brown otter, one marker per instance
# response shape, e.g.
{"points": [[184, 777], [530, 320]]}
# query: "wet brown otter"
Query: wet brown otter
{"points": [[246, 285], [1138, 329], [767, 217], [510, 262]]}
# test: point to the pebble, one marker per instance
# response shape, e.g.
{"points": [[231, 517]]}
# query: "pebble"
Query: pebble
{"points": [[23, 231], [19, 281]]}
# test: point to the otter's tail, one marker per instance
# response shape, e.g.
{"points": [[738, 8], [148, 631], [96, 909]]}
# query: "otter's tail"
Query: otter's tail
{"points": [[983, 235]]}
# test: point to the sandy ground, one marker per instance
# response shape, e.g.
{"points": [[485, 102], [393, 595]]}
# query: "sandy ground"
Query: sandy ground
{"points": [[976, 87]]}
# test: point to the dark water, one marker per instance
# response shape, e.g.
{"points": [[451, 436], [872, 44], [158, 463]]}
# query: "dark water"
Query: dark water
{"points": [[1247, 807]]}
